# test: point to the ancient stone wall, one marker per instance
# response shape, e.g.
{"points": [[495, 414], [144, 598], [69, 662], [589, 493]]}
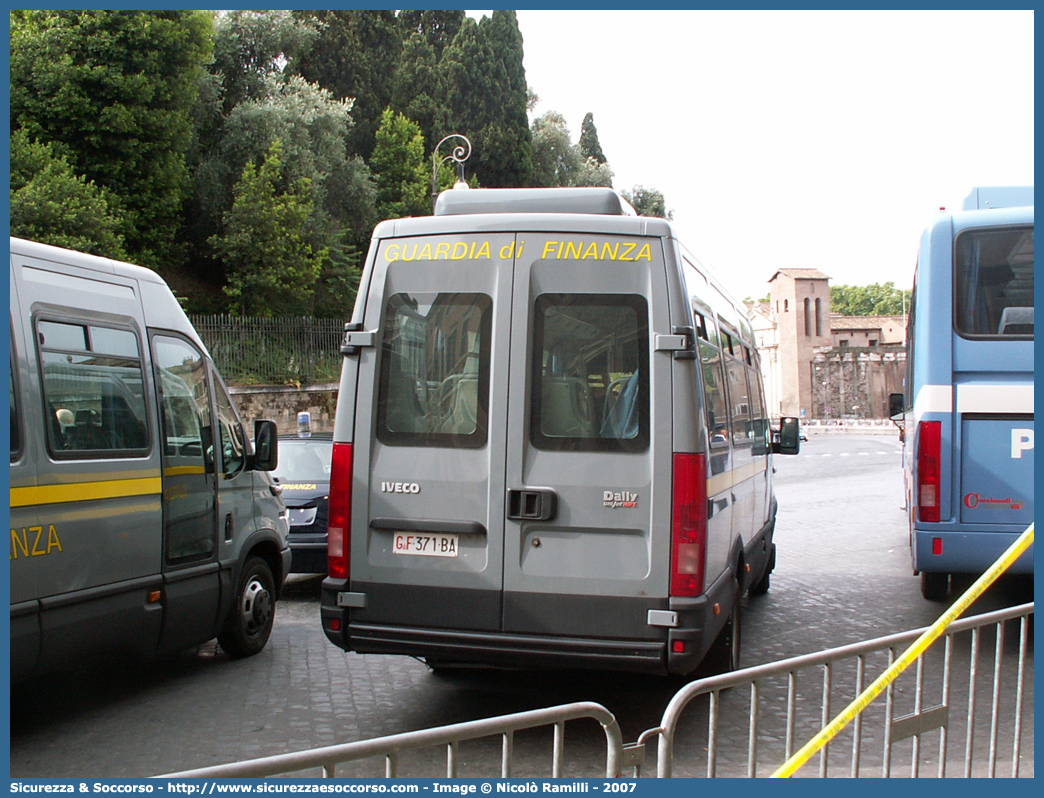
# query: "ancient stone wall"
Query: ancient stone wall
{"points": [[282, 403], [854, 382]]}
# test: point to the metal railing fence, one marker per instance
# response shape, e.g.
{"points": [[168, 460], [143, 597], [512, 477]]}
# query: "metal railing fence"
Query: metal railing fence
{"points": [[251, 350], [784, 708], [449, 736]]}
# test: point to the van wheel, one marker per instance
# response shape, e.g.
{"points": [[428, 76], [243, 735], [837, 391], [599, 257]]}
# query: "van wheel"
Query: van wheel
{"points": [[250, 623], [935, 586], [761, 587], [724, 653]]}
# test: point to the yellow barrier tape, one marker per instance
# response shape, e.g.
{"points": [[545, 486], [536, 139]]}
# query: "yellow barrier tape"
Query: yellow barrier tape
{"points": [[908, 657]]}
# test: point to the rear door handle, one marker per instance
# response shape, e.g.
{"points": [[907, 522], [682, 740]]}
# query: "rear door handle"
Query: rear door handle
{"points": [[532, 504]]}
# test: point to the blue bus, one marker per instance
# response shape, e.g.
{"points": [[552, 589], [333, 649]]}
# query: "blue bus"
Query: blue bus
{"points": [[967, 405]]}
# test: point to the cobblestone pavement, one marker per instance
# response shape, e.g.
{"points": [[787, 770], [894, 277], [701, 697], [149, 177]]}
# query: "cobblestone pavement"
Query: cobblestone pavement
{"points": [[842, 576]]}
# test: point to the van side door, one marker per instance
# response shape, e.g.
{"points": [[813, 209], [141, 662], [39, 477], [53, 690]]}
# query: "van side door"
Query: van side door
{"points": [[189, 461]]}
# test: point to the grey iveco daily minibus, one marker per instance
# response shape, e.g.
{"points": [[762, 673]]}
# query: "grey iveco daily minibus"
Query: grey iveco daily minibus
{"points": [[551, 445]]}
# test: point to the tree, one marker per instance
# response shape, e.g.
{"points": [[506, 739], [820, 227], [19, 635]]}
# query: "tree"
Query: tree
{"points": [[592, 173], [113, 91], [274, 265], [648, 202], [355, 56], [417, 88], [52, 204], [869, 300], [556, 162], [437, 28], [400, 168], [589, 146], [485, 98]]}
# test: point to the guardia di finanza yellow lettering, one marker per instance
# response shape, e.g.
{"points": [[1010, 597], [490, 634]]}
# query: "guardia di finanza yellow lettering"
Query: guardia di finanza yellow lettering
{"points": [[553, 250]]}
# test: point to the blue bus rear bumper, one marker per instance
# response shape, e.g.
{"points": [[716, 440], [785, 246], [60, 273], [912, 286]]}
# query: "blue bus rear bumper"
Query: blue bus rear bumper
{"points": [[967, 552]]}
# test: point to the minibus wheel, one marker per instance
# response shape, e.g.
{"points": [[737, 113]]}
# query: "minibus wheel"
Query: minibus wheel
{"points": [[724, 653], [935, 586], [249, 624]]}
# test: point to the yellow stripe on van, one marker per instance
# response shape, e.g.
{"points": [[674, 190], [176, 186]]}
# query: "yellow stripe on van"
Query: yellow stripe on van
{"points": [[722, 482], [85, 491], [180, 471]]}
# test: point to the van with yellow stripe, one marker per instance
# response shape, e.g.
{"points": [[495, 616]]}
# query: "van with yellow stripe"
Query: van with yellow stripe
{"points": [[142, 519], [552, 445]]}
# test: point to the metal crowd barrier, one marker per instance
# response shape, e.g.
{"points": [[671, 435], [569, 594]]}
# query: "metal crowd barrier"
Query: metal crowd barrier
{"points": [[450, 736], [909, 710]]}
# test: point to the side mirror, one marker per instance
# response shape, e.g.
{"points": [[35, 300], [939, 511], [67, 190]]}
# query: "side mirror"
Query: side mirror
{"points": [[786, 440], [266, 445], [896, 404]]}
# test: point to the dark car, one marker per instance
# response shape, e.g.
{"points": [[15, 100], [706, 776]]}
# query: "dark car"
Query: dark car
{"points": [[304, 475]]}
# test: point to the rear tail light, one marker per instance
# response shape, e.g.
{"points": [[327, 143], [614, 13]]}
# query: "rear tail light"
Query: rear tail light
{"points": [[928, 448], [338, 537], [688, 525]]}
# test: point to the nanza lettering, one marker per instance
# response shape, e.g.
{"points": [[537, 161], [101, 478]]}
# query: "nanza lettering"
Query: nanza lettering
{"points": [[400, 487], [40, 546], [973, 500], [593, 250], [300, 486], [621, 499]]}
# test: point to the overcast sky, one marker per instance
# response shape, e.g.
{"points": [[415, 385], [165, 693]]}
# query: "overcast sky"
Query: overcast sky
{"points": [[796, 139]]}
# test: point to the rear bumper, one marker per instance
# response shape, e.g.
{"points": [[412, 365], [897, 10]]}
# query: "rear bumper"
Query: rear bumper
{"points": [[966, 552], [676, 649]]}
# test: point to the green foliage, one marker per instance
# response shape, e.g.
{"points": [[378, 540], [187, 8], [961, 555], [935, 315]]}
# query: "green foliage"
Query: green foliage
{"points": [[417, 89], [556, 161], [648, 202], [589, 144], [485, 98], [273, 266], [355, 56], [252, 45], [52, 204], [437, 28], [869, 300], [113, 89], [400, 168]]}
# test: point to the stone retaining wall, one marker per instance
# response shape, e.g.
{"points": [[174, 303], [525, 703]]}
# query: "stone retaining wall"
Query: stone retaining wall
{"points": [[282, 403]]}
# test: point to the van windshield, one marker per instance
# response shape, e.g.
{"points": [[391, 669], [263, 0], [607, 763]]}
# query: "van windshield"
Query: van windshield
{"points": [[434, 383]]}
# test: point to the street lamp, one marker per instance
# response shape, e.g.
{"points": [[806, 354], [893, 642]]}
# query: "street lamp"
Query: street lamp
{"points": [[459, 154]]}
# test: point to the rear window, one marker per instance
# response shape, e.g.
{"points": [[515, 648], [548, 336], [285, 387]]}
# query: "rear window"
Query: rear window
{"points": [[590, 373], [994, 282], [434, 383]]}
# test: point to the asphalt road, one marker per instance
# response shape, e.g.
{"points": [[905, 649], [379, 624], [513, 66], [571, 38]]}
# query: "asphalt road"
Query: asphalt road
{"points": [[842, 575]]}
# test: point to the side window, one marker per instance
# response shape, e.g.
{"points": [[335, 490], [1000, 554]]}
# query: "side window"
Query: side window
{"points": [[759, 423], [94, 395], [590, 373], [16, 415], [716, 408], [230, 431], [739, 399], [994, 282], [434, 380], [185, 404]]}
